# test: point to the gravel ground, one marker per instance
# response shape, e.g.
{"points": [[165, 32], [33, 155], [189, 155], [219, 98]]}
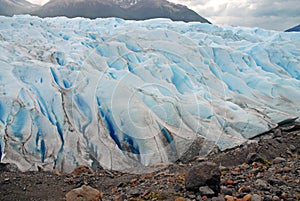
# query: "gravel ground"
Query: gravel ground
{"points": [[266, 169]]}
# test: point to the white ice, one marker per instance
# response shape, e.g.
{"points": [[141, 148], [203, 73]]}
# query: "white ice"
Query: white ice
{"points": [[121, 93]]}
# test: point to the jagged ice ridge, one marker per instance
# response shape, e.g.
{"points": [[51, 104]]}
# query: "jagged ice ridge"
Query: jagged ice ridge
{"points": [[121, 94]]}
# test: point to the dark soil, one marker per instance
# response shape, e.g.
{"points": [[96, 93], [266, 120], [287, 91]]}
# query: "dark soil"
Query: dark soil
{"points": [[247, 169]]}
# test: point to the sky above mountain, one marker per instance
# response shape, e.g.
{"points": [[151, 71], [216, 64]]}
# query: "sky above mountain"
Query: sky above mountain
{"points": [[268, 14], [38, 2]]}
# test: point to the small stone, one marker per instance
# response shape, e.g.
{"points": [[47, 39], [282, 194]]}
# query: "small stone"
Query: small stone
{"points": [[261, 184], [256, 197], [244, 166], [134, 192], [180, 199], [57, 172], [226, 191], [293, 148], [287, 169], [191, 196], [229, 198], [278, 160], [84, 193], [247, 197], [289, 152], [205, 190], [133, 181], [230, 182], [246, 189], [237, 169], [204, 174], [275, 182], [6, 180], [204, 198], [121, 184], [284, 195], [276, 198], [121, 197], [254, 157], [145, 193], [199, 198], [217, 199], [235, 172], [277, 133], [268, 198], [201, 159], [260, 175]]}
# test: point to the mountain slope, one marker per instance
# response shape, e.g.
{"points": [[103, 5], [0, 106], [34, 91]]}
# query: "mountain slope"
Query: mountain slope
{"points": [[126, 9], [163, 9], [296, 28], [12, 7], [89, 9]]}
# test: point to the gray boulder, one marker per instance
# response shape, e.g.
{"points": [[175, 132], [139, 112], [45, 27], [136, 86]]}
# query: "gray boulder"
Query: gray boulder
{"points": [[204, 174]]}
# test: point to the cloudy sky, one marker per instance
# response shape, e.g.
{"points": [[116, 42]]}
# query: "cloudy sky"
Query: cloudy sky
{"points": [[267, 14], [39, 2]]}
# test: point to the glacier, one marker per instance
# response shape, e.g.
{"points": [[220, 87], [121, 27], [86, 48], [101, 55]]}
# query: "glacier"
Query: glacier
{"points": [[124, 94]]}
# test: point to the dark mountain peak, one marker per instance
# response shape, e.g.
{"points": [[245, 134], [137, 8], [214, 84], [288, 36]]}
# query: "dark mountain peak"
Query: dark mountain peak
{"points": [[126, 9]]}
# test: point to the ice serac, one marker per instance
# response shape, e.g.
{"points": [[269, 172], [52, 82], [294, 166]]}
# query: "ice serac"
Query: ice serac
{"points": [[121, 94]]}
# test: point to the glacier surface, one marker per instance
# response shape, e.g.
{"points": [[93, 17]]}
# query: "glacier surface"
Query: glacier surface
{"points": [[121, 94]]}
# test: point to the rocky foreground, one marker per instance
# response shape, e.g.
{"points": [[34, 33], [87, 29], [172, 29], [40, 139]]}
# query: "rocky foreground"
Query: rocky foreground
{"points": [[265, 169]]}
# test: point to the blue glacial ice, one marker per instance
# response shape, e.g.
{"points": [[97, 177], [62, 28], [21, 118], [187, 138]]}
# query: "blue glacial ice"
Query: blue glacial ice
{"points": [[122, 94]]}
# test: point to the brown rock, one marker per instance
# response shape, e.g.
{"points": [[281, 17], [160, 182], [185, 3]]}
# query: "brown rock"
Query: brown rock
{"points": [[57, 172], [133, 181], [84, 193], [229, 198], [203, 174], [180, 199], [247, 197], [204, 198], [230, 182], [246, 189], [284, 195], [287, 169], [81, 170]]}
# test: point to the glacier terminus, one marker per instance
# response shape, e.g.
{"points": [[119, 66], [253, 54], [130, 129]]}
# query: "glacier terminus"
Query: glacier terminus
{"points": [[124, 94]]}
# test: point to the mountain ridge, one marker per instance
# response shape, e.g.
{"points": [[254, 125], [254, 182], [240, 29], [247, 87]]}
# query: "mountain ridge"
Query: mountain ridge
{"points": [[125, 9], [12, 7]]}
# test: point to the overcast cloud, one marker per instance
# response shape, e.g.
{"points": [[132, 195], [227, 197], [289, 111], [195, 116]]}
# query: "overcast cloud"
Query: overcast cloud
{"points": [[38, 2], [267, 14]]}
